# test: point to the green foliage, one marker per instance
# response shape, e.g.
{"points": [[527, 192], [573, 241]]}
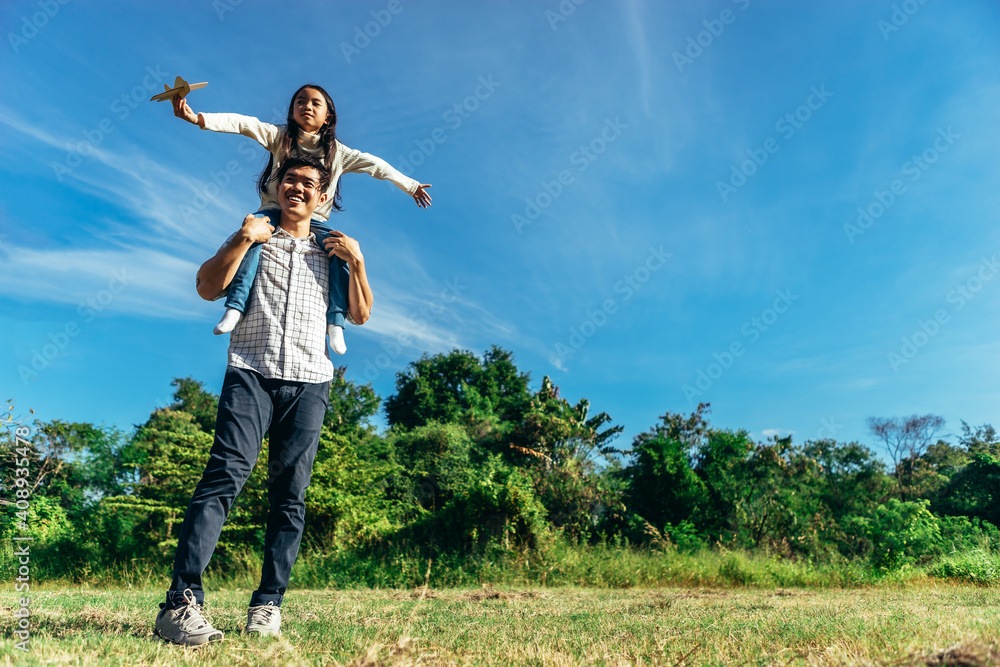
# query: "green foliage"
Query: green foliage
{"points": [[899, 532], [685, 537], [74, 463], [190, 397], [445, 387], [565, 451], [485, 478], [167, 455], [342, 509], [497, 507], [720, 462], [662, 485], [977, 567], [960, 533], [974, 490], [351, 406]]}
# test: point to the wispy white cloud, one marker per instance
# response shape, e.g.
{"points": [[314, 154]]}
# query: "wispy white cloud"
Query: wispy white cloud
{"points": [[160, 251], [160, 203], [641, 49], [151, 240], [777, 432], [133, 280]]}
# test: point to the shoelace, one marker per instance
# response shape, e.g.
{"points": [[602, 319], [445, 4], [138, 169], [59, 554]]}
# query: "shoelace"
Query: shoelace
{"points": [[262, 615], [193, 617]]}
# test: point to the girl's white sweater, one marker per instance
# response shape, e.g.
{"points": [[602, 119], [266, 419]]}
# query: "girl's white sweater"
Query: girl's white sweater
{"points": [[346, 160]]}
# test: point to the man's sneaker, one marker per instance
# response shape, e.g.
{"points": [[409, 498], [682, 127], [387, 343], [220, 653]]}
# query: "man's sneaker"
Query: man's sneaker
{"points": [[186, 625], [264, 620]]}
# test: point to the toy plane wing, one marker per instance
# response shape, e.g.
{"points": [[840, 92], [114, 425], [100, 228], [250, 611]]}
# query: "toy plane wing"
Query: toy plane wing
{"points": [[180, 90]]}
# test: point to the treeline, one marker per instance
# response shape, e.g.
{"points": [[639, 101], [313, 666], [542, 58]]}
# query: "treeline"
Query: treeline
{"points": [[476, 463]]}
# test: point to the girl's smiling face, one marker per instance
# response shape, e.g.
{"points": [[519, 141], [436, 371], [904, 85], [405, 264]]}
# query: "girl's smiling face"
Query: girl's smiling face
{"points": [[310, 110]]}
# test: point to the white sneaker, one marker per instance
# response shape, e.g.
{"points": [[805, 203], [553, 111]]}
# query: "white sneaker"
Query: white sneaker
{"points": [[186, 625], [264, 620]]}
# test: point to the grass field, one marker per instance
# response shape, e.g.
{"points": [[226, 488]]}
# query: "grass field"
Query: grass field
{"points": [[927, 624]]}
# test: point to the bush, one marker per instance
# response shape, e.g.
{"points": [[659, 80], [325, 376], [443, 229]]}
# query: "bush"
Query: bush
{"points": [[497, 507], [899, 532], [977, 567]]}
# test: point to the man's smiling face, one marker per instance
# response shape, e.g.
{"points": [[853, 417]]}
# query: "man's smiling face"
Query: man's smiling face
{"points": [[299, 192]]}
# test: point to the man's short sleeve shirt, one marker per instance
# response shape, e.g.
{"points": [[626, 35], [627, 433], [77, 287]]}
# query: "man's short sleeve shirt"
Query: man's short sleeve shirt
{"points": [[282, 334]]}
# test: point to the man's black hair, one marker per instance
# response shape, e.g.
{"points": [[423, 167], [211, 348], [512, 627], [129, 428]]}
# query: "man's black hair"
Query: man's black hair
{"points": [[304, 161]]}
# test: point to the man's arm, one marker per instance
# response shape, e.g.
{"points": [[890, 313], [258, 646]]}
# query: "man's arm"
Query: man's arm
{"points": [[215, 275], [359, 293]]}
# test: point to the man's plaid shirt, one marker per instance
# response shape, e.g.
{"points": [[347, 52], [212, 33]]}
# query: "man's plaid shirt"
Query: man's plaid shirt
{"points": [[283, 332]]}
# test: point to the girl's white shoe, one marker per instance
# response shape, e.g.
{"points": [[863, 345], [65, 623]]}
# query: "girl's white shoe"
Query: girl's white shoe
{"points": [[228, 321], [336, 335]]}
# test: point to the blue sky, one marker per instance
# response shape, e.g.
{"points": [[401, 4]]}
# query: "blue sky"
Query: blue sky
{"points": [[653, 203]]}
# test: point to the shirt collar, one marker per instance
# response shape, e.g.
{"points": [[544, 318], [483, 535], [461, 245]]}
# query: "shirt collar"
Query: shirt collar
{"points": [[311, 238]]}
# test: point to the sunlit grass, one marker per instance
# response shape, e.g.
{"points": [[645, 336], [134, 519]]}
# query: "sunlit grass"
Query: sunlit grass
{"points": [[912, 624]]}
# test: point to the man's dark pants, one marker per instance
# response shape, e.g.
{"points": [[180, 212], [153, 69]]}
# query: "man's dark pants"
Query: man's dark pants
{"points": [[249, 406]]}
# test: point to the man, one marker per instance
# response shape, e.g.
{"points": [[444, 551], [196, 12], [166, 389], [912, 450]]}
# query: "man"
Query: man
{"points": [[277, 381]]}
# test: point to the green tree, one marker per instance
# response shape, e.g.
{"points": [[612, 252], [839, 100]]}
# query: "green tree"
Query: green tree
{"points": [[720, 462], [190, 397], [565, 451], [661, 484], [435, 462], [980, 440], [352, 406], [851, 481], [900, 532], [346, 503], [445, 387], [72, 462], [167, 455], [974, 491]]}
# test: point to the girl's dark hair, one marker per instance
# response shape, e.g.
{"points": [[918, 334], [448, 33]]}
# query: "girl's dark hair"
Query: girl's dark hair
{"points": [[327, 140]]}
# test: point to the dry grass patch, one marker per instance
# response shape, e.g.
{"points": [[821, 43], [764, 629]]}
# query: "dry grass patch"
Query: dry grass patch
{"points": [[418, 593], [487, 626], [701, 593], [490, 593], [963, 654]]}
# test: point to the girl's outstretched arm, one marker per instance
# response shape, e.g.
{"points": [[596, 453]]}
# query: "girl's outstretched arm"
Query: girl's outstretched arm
{"points": [[354, 161], [266, 134]]}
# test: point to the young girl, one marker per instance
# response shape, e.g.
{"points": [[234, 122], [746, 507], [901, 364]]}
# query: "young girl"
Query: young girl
{"points": [[310, 130]]}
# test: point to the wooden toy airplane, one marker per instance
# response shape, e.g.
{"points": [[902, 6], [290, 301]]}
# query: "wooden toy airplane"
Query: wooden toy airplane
{"points": [[180, 90]]}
